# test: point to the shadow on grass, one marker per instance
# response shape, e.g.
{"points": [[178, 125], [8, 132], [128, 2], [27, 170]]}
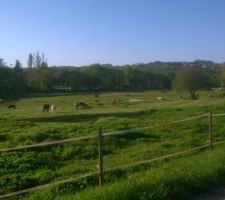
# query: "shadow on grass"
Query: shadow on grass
{"points": [[88, 117], [136, 135]]}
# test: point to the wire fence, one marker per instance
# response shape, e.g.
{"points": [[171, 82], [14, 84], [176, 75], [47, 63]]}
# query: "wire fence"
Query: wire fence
{"points": [[100, 136]]}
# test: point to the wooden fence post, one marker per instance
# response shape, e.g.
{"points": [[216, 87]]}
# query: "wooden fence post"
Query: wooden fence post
{"points": [[100, 155], [210, 130]]}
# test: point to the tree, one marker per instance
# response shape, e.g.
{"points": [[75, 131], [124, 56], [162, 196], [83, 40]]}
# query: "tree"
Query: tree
{"points": [[18, 64], [44, 63], [38, 79], [2, 63], [134, 78], [191, 80], [5, 81], [18, 83], [37, 75], [30, 60], [222, 75], [37, 60]]}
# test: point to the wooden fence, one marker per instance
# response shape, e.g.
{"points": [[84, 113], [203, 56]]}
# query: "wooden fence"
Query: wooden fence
{"points": [[100, 136]]}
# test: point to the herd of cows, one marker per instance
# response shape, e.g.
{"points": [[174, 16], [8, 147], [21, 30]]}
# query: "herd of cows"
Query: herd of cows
{"points": [[82, 105]]}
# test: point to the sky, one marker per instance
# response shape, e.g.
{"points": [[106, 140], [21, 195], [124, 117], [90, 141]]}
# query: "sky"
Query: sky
{"points": [[83, 32]]}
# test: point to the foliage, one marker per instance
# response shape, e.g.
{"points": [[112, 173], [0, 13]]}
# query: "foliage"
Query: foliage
{"points": [[39, 78], [12, 81], [191, 80]]}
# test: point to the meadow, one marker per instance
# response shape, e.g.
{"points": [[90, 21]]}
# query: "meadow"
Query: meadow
{"points": [[29, 125]]}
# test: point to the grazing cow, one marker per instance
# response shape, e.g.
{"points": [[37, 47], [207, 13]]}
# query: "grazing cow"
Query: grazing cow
{"points": [[46, 107], [114, 101], [80, 104], [136, 100], [195, 97], [181, 97], [160, 98], [12, 106], [52, 108]]}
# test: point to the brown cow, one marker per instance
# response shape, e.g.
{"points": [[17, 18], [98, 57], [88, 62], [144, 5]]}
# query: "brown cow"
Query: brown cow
{"points": [[181, 97], [12, 106], [114, 101], [210, 95], [46, 107], [80, 104]]}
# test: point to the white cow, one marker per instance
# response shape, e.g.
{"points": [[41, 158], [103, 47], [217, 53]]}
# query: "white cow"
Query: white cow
{"points": [[52, 108], [160, 98], [136, 100]]}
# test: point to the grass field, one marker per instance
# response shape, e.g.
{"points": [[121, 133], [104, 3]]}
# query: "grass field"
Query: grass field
{"points": [[29, 125]]}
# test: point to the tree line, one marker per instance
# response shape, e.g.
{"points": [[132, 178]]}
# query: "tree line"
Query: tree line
{"points": [[38, 77]]}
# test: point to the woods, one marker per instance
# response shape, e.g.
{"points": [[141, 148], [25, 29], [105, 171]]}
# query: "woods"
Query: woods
{"points": [[37, 77]]}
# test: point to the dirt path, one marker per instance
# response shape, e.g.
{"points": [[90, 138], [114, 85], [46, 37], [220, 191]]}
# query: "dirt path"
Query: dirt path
{"points": [[218, 194]]}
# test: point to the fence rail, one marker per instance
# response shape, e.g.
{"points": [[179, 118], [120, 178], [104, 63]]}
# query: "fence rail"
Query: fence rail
{"points": [[159, 158], [47, 185], [100, 136], [47, 143], [218, 115]]}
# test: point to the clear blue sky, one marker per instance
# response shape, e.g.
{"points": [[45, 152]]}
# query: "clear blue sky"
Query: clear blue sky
{"points": [[81, 32]]}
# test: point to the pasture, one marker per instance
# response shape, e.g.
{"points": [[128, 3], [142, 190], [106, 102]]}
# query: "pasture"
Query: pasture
{"points": [[27, 124]]}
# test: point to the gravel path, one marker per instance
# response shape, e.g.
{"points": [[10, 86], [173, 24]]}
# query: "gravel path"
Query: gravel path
{"points": [[218, 194]]}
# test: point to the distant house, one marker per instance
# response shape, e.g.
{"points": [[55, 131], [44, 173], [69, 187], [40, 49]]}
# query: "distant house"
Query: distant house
{"points": [[60, 88]]}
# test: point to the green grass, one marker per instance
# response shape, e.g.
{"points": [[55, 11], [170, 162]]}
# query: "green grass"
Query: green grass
{"points": [[178, 179], [28, 125]]}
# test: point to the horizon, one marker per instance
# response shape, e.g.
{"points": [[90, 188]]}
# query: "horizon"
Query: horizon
{"points": [[130, 64], [150, 62], [81, 33]]}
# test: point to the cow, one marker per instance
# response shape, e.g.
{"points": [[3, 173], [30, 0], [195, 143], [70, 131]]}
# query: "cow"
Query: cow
{"points": [[12, 106], [160, 98], [96, 96], [80, 104], [52, 108], [46, 108], [114, 101], [136, 100], [181, 97]]}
